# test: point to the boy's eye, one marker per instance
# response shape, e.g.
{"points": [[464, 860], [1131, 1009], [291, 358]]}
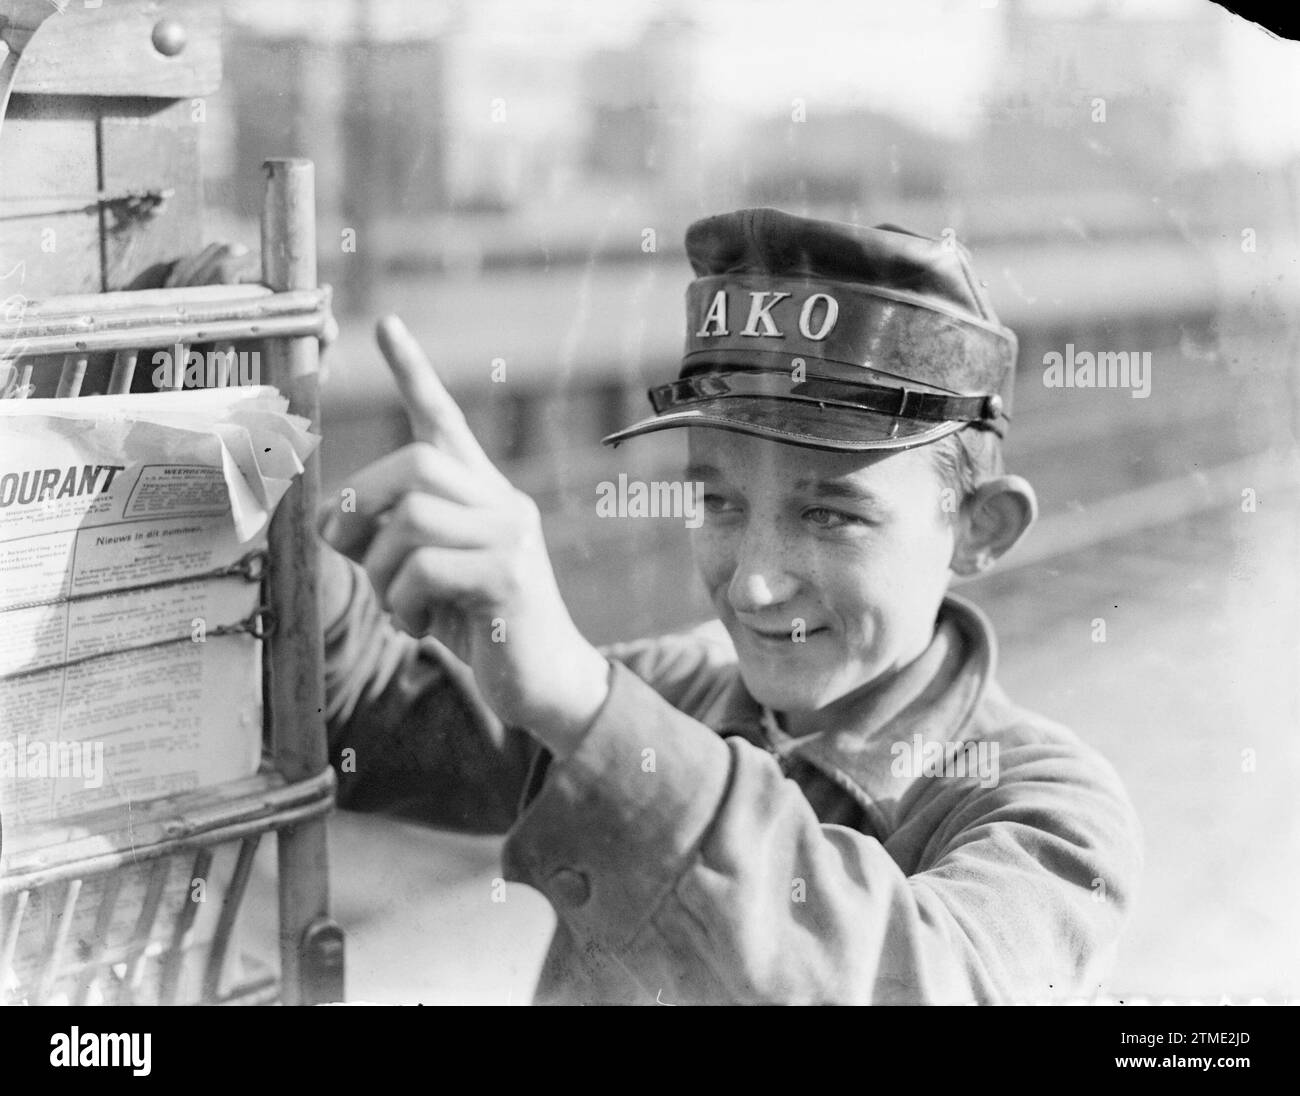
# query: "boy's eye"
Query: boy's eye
{"points": [[825, 518], [717, 504]]}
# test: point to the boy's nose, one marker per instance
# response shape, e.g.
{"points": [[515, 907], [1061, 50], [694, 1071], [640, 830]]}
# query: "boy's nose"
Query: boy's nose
{"points": [[749, 593], [760, 579]]}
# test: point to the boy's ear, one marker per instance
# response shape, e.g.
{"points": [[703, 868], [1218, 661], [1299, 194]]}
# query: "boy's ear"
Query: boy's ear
{"points": [[998, 514]]}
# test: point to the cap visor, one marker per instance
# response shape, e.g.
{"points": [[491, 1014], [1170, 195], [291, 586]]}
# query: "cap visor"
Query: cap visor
{"points": [[796, 423]]}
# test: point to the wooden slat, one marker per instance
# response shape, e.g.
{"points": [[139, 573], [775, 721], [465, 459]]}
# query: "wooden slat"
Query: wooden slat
{"points": [[72, 375], [288, 264], [12, 923], [109, 50], [175, 959], [159, 305], [58, 940], [295, 692], [121, 836], [144, 923], [162, 317], [73, 265], [229, 913], [144, 148], [99, 940], [119, 383], [48, 152], [122, 336], [225, 352], [48, 161], [179, 353]]}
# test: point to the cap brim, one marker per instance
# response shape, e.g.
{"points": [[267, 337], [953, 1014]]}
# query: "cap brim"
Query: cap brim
{"points": [[796, 423]]}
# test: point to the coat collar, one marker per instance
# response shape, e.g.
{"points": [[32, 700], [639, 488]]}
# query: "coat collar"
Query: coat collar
{"points": [[935, 696]]}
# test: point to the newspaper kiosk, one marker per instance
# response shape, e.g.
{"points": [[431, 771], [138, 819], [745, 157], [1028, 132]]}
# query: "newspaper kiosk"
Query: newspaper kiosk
{"points": [[98, 153]]}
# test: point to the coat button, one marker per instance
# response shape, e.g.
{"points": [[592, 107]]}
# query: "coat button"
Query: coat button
{"points": [[569, 887]]}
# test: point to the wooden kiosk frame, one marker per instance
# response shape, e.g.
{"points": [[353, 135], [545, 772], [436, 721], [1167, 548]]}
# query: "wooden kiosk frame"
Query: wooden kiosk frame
{"points": [[56, 875]]}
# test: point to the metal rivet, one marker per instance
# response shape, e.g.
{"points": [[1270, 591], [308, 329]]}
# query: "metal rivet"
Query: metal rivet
{"points": [[168, 37], [992, 406]]}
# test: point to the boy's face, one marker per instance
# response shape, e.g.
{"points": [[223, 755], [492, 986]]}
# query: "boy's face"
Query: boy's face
{"points": [[854, 545]]}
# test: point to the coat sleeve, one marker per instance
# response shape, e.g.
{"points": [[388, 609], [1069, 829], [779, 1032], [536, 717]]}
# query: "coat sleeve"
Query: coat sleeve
{"points": [[408, 731], [691, 864], [410, 734]]}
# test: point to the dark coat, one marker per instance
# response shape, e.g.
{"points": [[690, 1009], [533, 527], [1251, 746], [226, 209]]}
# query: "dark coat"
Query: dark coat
{"points": [[942, 846]]}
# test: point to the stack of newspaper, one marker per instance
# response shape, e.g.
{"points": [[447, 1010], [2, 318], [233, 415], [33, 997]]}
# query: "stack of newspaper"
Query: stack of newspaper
{"points": [[132, 537]]}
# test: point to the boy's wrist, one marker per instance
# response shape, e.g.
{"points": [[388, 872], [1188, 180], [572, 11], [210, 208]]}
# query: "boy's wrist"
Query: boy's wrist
{"points": [[335, 582], [582, 689]]}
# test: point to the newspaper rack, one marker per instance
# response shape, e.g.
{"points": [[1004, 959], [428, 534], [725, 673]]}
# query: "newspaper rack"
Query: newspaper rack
{"points": [[126, 876]]}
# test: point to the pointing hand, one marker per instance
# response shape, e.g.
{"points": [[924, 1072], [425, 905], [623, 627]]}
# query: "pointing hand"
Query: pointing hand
{"points": [[455, 551]]}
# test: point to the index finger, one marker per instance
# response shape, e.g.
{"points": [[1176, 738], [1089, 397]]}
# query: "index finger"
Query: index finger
{"points": [[435, 418]]}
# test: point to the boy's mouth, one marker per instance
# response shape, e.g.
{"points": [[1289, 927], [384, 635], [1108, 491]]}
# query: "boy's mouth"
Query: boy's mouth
{"points": [[770, 637]]}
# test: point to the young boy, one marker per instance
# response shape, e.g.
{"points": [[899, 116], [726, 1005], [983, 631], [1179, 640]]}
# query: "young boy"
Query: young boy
{"points": [[836, 805]]}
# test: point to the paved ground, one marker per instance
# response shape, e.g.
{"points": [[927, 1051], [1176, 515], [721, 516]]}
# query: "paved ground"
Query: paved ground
{"points": [[1199, 665]]}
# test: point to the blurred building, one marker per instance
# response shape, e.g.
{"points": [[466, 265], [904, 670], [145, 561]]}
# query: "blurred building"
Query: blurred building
{"points": [[516, 180], [642, 100]]}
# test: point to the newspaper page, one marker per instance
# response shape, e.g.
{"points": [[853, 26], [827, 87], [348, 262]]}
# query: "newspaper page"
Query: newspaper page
{"points": [[132, 532]]}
